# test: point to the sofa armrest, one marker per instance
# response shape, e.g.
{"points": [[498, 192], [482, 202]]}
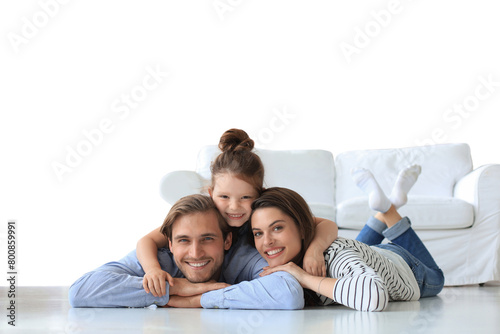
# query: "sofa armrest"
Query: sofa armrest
{"points": [[481, 189], [177, 184]]}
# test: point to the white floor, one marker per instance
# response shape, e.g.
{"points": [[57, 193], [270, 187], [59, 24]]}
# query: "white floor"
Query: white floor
{"points": [[470, 309]]}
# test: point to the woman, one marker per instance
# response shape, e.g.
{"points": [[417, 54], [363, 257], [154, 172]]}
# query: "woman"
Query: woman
{"points": [[362, 274]]}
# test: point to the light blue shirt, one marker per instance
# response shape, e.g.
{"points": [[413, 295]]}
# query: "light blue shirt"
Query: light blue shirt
{"points": [[119, 283]]}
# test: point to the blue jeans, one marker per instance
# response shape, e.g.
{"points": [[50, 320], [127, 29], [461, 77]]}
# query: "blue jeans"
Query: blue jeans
{"points": [[406, 243]]}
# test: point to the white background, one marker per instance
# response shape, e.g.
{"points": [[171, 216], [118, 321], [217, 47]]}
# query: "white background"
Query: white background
{"points": [[67, 67]]}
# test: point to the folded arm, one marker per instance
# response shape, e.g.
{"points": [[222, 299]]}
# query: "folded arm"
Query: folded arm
{"points": [[278, 291]]}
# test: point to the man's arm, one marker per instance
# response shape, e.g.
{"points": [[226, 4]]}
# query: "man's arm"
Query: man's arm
{"points": [[249, 290], [277, 291], [119, 284], [107, 288]]}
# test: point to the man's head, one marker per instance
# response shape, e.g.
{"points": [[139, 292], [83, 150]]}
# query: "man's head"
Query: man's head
{"points": [[198, 236]]}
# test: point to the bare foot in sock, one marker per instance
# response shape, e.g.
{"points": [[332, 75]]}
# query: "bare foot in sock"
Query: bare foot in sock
{"points": [[405, 181], [365, 180]]}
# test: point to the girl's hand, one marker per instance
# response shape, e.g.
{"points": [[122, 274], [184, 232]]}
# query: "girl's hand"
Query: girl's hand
{"points": [[154, 282], [314, 262], [291, 268]]}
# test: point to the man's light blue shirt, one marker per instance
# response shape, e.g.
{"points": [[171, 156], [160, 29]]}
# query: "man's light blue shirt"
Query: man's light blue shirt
{"points": [[119, 283]]}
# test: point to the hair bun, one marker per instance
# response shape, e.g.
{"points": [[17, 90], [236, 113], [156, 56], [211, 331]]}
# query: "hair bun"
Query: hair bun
{"points": [[235, 140]]}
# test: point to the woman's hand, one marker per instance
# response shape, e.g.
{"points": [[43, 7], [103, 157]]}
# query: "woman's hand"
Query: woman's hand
{"points": [[300, 274], [322, 285], [314, 262], [154, 282]]}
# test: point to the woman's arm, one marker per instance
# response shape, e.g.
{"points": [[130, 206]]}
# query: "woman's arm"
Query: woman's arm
{"points": [[147, 253], [322, 285], [358, 286], [326, 233]]}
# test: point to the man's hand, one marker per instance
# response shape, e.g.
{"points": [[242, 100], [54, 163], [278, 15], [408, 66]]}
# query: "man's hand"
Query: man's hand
{"points": [[182, 287], [185, 301], [154, 282]]}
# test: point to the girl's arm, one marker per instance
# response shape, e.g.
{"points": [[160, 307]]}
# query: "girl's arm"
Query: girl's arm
{"points": [[326, 233], [147, 253]]}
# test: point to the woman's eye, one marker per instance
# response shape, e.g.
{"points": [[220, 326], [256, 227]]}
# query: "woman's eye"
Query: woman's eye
{"points": [[278, 228], [257, 234]]}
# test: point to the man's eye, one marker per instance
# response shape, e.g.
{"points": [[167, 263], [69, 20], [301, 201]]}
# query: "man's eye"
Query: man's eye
{"points": [[208, 239], [182, 240]]}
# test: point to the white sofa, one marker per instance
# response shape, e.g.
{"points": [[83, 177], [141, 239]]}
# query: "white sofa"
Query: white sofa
{"points": [[454, 209]]}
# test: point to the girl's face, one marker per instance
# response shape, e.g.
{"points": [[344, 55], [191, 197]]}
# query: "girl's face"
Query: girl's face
{"points": [[233, 197], [277, 237]]}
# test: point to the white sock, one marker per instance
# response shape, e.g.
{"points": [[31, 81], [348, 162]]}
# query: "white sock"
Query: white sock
{"points": [[365, 180], [405, 181]]}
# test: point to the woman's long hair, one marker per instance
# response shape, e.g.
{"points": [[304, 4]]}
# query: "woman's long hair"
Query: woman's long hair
{"points": [[293, 205]]}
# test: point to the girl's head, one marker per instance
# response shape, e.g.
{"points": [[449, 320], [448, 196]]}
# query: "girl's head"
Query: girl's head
{"points": [[282, 226], [237, 177]]}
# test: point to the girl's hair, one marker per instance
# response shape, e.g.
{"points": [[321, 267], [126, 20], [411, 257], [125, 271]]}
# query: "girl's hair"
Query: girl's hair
{"points": [[293, 205], [190, 205], [238, 159]]}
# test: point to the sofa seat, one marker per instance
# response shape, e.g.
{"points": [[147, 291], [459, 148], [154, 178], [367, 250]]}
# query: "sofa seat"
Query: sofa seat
{"points": [[425, 212]]}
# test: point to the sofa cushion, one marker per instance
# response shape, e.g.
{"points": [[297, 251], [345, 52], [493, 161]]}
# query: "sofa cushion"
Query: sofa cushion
{"points": [[442, 166], [425, 213]]}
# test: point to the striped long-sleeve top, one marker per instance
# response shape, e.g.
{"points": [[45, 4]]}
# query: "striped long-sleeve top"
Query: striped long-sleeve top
{"points": [[367, 277]]}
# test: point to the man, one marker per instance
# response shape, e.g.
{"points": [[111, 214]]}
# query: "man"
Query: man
{"points": [[198, 237]]}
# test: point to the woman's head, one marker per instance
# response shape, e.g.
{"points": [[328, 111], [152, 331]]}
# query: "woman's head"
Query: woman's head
{"points": [[237, 177], [282, 226]]}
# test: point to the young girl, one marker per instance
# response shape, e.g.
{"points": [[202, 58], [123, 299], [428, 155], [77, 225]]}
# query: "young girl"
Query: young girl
{"points": [[361, 274], [237, 180]]}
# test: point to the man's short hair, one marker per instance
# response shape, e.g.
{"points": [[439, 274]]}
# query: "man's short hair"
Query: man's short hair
{"points": [[190, 205]]}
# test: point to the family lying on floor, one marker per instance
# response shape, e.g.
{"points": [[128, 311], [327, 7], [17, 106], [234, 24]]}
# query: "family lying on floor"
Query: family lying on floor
{"points": [[246, 247]]}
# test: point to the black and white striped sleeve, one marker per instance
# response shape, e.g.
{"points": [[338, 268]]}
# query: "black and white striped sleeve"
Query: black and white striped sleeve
{"points": [[358, 286]]}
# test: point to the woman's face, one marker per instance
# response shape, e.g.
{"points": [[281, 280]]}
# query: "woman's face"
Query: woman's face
{"points": [[277, 237]]}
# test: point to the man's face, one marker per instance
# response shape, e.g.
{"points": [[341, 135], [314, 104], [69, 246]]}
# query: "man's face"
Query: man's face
{"points": [[198, 246]]}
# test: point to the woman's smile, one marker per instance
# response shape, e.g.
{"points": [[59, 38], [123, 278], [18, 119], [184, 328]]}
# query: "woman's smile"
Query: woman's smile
{"points": [[276, 235], [275, 252]]}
